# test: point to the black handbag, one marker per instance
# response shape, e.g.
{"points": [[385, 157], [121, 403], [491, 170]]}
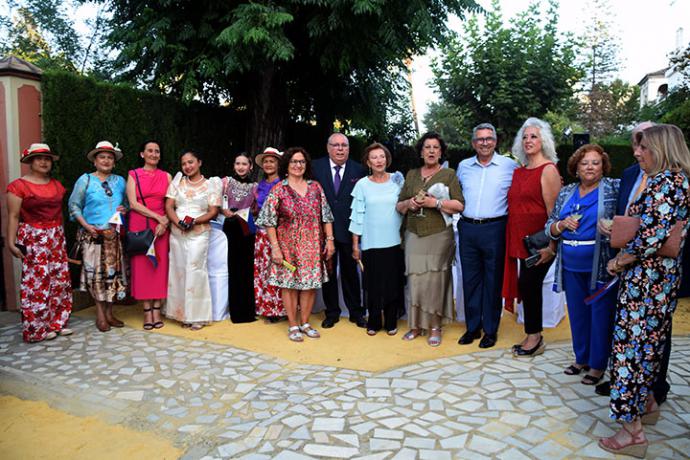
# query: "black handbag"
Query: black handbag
{"points": [[138, 243], [533, 243]]}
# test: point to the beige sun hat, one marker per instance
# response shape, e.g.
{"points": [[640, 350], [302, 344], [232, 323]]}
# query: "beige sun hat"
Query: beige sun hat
{"points": [[35, 150], [268, 152], [105, 146]]}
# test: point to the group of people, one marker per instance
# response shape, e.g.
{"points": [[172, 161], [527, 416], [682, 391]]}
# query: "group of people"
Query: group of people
{"points": [[234, 247]]}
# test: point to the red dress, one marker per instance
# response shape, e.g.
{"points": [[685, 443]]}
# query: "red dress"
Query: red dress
{"points": [[526, 215], [149, 282], [46, 288]]}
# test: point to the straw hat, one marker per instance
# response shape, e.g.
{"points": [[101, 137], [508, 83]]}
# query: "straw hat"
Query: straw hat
{"points": [[35, 150], [268, 152], [105, 146]]}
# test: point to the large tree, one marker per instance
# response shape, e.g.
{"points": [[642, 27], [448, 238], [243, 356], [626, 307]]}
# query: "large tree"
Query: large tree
{"points": [[310, 60], [504, 74]]}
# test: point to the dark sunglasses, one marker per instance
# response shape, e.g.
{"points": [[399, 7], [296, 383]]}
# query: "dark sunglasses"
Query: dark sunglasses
{"points": [[106, 188]]}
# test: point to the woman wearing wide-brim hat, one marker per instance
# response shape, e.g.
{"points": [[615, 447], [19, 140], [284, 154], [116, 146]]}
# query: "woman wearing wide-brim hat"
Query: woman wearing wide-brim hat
{"points": [[36, 236], [269, 303], [97, 203]]}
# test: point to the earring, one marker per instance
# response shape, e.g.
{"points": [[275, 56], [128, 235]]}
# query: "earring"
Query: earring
{"points": [[370, 171]]}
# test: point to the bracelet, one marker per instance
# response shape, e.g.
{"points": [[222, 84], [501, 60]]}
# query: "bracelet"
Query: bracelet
{"points": [[558, 228], [330, 238]]}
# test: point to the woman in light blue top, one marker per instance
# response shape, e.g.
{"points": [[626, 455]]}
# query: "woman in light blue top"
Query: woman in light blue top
{"points": [[95, 202], [582, 255], [375, 221]]}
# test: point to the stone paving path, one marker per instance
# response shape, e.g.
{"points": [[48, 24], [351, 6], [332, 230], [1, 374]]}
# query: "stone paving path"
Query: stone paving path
{"points": [[221, 402]]}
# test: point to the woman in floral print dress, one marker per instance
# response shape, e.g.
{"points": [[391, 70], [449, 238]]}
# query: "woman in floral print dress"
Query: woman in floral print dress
{"points": [[649, 285], [298, 219]]}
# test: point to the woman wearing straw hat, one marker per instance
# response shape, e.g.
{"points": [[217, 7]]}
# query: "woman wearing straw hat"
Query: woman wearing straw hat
{"points": [[96, 203], [36, 236], [269, 303]]}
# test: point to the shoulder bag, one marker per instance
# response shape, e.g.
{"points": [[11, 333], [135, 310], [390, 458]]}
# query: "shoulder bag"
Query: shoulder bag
{"points": [[137, 243], [624, 229]]}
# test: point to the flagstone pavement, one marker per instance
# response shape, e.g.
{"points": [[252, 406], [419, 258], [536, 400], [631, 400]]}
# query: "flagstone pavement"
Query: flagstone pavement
{"points": [[216, 401]]}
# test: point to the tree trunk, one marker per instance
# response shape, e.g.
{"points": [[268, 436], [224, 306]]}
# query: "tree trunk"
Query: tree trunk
{"points": [[267, 110]]}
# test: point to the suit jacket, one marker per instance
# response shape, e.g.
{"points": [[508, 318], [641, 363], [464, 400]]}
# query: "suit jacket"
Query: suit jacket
{"points": [[340, 203], [628, 179]]}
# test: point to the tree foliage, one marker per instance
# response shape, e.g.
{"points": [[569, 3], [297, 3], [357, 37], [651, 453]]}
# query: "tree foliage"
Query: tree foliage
{"points": [[504, 74], [311, 60]]}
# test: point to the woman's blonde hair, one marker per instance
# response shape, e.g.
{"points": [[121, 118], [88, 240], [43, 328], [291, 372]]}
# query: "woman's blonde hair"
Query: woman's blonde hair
{"points": [[667, 144]]}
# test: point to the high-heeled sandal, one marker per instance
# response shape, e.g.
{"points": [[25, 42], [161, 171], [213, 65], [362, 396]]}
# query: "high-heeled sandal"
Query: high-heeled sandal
{"points": [[633, 448], [434, 340], [590, 379], [147, 326], [651, 416], [157, 324], [574, 370], [413, 334]]}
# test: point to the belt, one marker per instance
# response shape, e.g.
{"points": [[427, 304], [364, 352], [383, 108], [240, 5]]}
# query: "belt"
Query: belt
{"points": [[483, 221], [576, 243]]}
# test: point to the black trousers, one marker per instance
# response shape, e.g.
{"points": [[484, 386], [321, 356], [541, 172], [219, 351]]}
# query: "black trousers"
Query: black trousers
{"points": [[384, 286], [240, 271], [349, 279], [530, 284]]}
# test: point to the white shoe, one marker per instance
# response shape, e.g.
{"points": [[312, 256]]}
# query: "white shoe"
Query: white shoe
{"points": [[66, 331], [51, 335]]}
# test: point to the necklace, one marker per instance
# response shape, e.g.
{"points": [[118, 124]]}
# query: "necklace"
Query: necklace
{"points": [[427, 176], [195, 182]]}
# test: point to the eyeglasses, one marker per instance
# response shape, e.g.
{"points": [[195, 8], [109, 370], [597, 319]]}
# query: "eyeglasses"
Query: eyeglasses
{"points": [[298, 162], [106, 188], [339, 146], [484, 140]]}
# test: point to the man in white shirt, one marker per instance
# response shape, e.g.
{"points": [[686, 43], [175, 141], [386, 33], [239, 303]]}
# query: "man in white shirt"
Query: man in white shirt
{"points": [[485, 179]]}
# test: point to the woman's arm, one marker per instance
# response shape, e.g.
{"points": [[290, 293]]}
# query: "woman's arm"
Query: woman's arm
{"points": [[550, 186], [355, 247], [14, 206], [329, 250], [172, 215], [276, 254]]}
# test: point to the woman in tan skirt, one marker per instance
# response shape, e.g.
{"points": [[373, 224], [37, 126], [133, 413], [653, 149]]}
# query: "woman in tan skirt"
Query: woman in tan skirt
{"points": [[429, 198]]}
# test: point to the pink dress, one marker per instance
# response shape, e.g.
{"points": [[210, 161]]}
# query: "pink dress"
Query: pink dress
{"points": [[149, 282]]}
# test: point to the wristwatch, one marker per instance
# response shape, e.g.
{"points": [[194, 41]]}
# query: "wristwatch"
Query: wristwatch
{"points": [[330, 238]]}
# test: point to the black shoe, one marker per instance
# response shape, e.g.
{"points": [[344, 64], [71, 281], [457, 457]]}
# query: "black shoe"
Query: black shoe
{"points": [[603, 389], [537, 350], [329, 323], [360, 322], [488, 341], [469, 336]]}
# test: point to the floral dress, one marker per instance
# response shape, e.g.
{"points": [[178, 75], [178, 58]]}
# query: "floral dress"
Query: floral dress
{"points": [[297, 220], [647, 295]]}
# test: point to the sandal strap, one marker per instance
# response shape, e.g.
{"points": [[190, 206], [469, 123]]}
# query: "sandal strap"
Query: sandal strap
{"points": [[305, 327], [294, 329]]}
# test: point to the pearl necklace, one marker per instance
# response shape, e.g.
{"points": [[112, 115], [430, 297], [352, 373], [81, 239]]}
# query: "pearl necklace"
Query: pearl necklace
{"points": [[196, 182]]}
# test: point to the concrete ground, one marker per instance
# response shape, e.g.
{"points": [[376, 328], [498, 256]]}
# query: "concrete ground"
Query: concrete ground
{"points": [[172, 394]]}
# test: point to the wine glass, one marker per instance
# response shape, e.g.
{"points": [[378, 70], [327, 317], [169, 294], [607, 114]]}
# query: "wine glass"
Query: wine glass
{"points": [[576, 214], [418, 198]]}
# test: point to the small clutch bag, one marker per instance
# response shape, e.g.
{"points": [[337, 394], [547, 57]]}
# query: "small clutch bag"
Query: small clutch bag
{"points": [[533, 243]]}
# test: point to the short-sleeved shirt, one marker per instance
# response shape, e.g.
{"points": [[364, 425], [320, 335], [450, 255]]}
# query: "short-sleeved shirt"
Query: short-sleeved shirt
{"points": [[41, 203], [90, 199]]}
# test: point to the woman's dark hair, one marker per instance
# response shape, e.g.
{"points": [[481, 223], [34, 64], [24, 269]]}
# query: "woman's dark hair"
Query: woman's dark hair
{"points": [[250, 176], [377, 146], [431, 135], [580, 153], [285, 162], [194, 153], [143, 145]]}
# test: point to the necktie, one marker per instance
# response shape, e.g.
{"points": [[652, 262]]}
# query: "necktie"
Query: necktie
{"points": [[336, 179], [639, 189]]}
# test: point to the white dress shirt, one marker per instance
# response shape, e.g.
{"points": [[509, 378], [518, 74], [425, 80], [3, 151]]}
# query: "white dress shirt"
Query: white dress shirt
{"points": [[485, 187]]}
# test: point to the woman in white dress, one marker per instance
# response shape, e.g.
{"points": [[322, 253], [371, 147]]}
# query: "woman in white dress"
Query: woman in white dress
{"points": [[192, 201]]}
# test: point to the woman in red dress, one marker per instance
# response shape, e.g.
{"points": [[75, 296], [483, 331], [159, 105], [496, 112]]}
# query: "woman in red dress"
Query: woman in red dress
{"points": [[531, 198], [36, 236], [146, 187]]}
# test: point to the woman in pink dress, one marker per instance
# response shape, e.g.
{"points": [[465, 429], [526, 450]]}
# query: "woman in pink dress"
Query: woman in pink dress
{"points": [[146, 187]]}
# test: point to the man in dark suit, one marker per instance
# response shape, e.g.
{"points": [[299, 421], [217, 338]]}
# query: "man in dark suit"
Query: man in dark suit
{"points": [[631, 180], [337, 174]]}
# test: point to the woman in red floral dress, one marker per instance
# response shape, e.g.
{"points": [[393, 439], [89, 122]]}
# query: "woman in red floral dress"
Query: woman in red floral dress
{"points": [[298, 221], [36, 236]]}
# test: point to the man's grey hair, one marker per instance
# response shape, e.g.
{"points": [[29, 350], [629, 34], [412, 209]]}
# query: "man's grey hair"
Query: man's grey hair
{"points": [[483, 126], [548, 145], [642, 126], [330, 138]]}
